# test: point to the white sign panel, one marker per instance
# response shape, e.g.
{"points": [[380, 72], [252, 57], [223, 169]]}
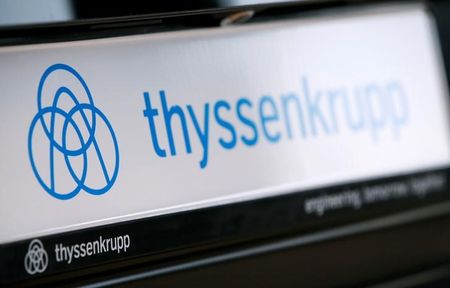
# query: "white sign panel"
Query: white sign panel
{"points": [[101, 131]]}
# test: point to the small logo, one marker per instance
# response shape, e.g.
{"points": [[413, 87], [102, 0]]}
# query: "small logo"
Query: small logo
{"points": [[36, 260], [69, 123]]}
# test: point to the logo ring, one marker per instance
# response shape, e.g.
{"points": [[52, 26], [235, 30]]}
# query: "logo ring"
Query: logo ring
{"points": [[90, 125], [36, 259]]}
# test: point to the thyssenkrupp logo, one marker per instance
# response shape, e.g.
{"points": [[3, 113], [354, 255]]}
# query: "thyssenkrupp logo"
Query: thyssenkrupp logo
{"points": [[68, 123]]}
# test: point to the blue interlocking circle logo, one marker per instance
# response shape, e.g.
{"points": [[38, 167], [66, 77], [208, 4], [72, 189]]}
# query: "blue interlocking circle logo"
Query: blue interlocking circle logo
{"points": [[69, 124]]}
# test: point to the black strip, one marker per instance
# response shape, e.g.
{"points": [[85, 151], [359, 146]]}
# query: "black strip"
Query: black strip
{"points": [[115, 21], [235, 223]]}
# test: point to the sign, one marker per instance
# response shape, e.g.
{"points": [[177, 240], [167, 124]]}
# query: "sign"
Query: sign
{"points": [[102, 131]]}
